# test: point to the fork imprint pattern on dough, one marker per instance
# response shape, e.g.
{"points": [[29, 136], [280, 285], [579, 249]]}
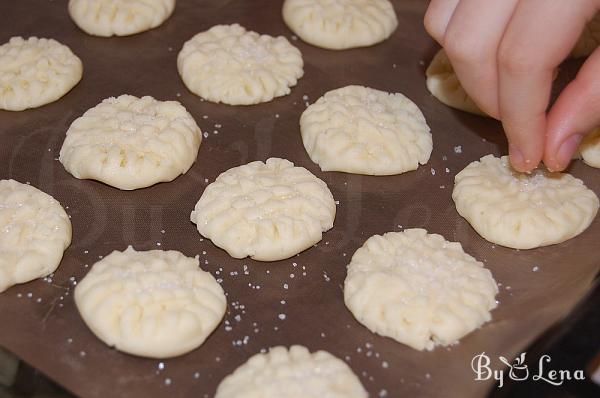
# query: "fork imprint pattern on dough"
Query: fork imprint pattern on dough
{"points": [[35, 72], [361, 130], [265, 210], [154, 303], [34, 233], [519, 210], [129, 142], [340, 24], [418, 289], [119, 17], [229, 64], [283, 373]]}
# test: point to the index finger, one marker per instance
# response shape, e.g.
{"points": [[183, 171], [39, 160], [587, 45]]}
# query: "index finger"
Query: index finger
{"points": [[438, 16], [538, 38]]}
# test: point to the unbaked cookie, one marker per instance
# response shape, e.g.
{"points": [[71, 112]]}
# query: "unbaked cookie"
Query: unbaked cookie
{"points": [[34, 233], [35, 72], [418, 289], [129, 142], [519, 210], [444, 85], [154, 303], [268, 211], [229, 64], [290, 374], [340, 24], [119, 17], [361, 130], [590, 149], [589, 39]]}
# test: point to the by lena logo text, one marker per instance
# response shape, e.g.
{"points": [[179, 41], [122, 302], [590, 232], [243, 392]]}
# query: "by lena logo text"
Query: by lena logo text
{"points": [[518, 370]]}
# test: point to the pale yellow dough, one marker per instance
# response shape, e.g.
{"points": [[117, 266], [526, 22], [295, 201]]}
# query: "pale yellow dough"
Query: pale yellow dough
{"points": [[293, 373], [129, 142], [119, 17], [418, 289], [35, 72], [590, 149], [155, 303], [265, 210], [34, 233], [519, 210], [340, 24], [232, 65], [361, 130]]}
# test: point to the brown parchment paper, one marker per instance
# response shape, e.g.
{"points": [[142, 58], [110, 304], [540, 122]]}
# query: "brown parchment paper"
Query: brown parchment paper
{"points": [[39, 322]]}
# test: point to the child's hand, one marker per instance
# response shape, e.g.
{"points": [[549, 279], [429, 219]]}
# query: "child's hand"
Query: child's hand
{"points": [[505, 53]]}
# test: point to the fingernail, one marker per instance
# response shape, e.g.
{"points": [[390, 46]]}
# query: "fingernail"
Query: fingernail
{"points": [[567, 149], [516, 157]]}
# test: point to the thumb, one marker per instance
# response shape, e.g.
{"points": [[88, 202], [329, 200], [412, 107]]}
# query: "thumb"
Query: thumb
{"points": [[575, 113]]}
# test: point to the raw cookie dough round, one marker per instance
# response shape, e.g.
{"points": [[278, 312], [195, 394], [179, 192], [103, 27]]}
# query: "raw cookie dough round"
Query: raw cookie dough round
{"points": [[361, 130], [418, 289], [290, 374], [119, 17], [229, 64], [519, 210], [589, 39], [155, 303], [34, 233], [35, 72], [444, 85], [590, 149], [340, 24], [268, 211], [129, 142]]}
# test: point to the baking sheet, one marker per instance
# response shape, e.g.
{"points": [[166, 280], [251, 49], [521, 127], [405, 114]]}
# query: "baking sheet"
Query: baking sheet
{"points": [[39, 322]]}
